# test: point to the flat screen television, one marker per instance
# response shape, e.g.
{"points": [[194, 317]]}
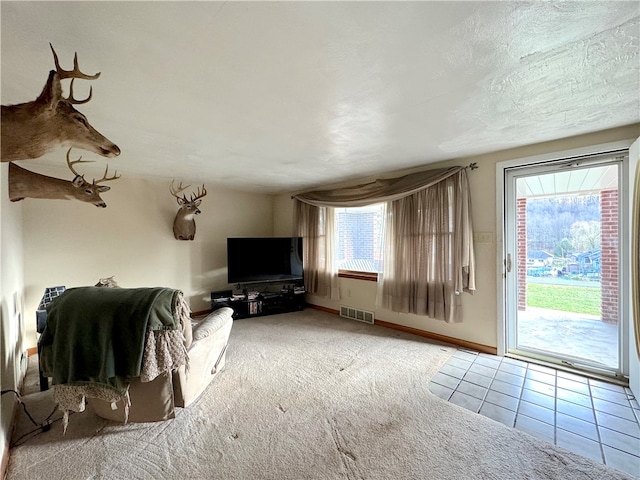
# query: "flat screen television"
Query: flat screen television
{"points": [[264, 259]]}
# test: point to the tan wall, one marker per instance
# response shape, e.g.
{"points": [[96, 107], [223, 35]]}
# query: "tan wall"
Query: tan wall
{"points": [[12, 334], [480, 323], [74, 244], [283, 216]]}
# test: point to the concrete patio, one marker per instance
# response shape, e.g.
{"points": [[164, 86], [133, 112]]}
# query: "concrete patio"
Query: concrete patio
{"points": [[577, 336]]}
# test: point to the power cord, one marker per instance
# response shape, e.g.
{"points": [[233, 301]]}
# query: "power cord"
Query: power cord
{"points": [[45, 426], [24, 407]]}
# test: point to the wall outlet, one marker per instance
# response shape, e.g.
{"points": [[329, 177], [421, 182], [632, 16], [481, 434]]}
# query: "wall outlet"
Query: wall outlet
{"points": [[483, 237]]}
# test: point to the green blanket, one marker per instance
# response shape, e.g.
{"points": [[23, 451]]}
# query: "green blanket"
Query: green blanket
{"points": [[96, 335]]}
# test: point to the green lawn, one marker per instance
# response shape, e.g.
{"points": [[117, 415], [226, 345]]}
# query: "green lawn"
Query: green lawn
{"points": [[564, 298]]}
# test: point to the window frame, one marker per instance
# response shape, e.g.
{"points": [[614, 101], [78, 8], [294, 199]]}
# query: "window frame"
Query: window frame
{"points": [[356, 275]]}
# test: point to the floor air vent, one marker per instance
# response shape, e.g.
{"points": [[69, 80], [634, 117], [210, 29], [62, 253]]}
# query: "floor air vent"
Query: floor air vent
{"points": [[357, 314]]}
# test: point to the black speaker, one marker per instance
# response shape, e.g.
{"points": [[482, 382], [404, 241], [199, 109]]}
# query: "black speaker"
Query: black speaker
{"points": [[222, 294]]}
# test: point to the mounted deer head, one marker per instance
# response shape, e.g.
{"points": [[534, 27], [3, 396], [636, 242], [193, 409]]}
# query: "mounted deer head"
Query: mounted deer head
{"points": [[29, 130], [108, 282], [184, 225], [26, 184]]}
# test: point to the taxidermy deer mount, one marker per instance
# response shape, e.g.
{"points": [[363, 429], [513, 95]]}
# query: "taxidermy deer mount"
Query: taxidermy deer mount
{"points": [[29, 130], [184, 225], [26, 184], [108, 282]]}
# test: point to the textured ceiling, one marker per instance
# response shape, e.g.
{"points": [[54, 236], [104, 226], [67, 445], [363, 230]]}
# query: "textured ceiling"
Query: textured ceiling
{"points": [[276, 97]]}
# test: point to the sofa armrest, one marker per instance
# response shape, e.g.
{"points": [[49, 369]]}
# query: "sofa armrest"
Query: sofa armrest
{"points": [[212, 323], [206, 357]]}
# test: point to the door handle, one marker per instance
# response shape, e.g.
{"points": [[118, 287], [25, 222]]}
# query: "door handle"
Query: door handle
{"points": [[508, 262]]}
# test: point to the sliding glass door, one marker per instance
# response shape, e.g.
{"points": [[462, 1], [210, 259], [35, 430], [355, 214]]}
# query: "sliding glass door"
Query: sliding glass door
{"points": [[563, 278]]}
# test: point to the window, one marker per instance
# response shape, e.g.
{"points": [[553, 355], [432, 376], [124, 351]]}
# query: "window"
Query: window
{"points": [[359, 235], [422, 227]]}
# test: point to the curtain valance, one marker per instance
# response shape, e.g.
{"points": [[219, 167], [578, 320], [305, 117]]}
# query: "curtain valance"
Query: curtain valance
{"points": [[378, 191]]}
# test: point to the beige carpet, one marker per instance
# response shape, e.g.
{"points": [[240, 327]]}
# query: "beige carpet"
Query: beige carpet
{"points": [[304, 396]]}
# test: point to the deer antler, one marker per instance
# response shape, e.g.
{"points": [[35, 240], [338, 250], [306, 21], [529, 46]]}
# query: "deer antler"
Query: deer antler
{"points": [[199, 194], [73, 74], [105, 178], [70, 164], [175, 191], [74, 101]]}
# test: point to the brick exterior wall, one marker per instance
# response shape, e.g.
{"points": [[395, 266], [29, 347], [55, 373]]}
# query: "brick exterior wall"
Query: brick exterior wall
{"points": [[521, 261], [609, 255], [359, 239]]}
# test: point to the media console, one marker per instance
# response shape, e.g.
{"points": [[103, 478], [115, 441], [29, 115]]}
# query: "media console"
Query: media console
{"points": [[254, 304]]}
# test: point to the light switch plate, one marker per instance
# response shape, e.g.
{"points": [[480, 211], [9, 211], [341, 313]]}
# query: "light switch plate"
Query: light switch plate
{"points": [[483, 237]]}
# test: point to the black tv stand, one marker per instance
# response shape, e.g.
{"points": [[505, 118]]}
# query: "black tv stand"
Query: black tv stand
{"points": [[255, 304]]}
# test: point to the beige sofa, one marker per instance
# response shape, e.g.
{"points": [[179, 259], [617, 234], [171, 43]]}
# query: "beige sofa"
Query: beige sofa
{"points": [[206, 342]]}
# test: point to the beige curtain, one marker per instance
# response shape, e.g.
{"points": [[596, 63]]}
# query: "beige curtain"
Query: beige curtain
{"points": [[378, 191], [429, 258], [315, 225]]}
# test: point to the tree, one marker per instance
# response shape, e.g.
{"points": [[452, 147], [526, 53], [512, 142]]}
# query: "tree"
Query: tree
{"points": [[585, 235], [563, 247], [549, 219]]}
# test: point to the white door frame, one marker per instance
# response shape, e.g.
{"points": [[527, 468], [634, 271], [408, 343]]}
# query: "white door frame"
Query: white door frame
{"points": [[634, 358], [500, 235]]}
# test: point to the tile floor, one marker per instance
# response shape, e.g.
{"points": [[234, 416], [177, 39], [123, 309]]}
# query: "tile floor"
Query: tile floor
{"points": [[590, 417]]}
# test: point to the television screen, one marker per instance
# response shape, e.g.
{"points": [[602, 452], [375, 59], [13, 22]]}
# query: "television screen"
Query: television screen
{"points": [[267, 259]]}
